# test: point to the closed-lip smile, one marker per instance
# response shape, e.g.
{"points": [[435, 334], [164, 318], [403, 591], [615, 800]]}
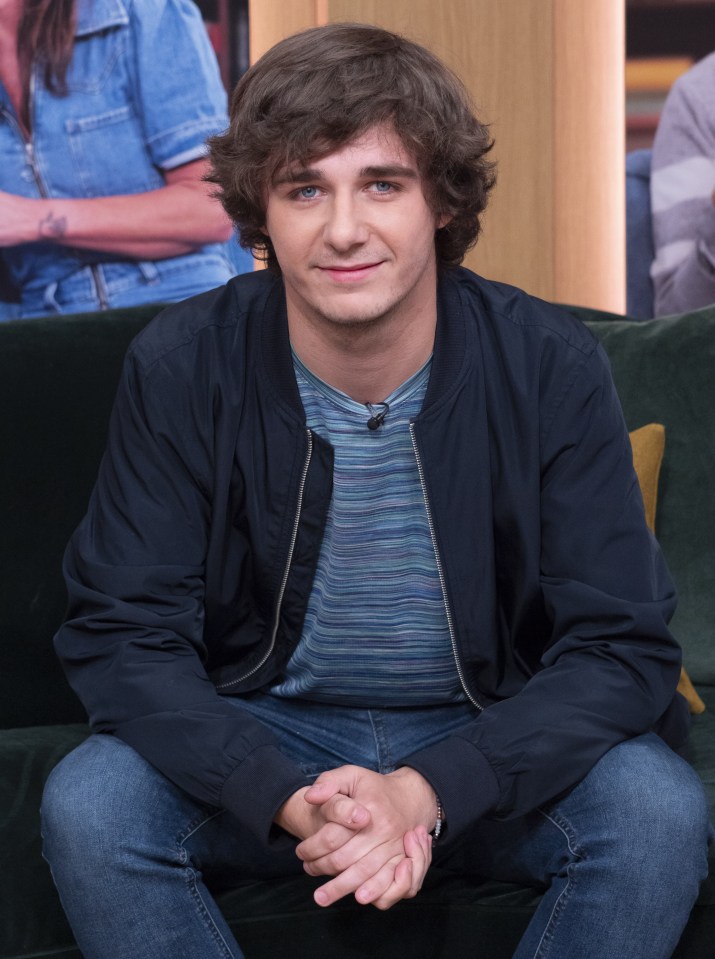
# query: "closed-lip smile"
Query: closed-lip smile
{"points": [[350, 271]]}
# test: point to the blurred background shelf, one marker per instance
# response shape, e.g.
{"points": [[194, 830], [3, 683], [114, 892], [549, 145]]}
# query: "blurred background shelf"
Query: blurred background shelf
{"points": [[663, 39], [227, 25]]}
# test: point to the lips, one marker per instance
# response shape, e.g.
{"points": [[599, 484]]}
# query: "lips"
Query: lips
{"points": [[352, 273]]}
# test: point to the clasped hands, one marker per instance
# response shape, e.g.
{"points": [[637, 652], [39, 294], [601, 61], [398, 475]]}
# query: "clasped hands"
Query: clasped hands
{"points": [[369, 831]]}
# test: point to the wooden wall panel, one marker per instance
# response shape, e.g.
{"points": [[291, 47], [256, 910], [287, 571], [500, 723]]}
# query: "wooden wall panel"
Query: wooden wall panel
{"points": [[589, 152], [547, 76], [508, 74], [271, 20]]}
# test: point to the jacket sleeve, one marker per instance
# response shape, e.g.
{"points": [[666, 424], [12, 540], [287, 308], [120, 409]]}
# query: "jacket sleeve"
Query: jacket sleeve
{"points": [[132, 644], [610, 666]]}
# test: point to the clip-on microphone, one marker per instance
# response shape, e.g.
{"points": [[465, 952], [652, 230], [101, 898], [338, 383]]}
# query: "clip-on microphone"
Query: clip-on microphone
{"points": [[377, 418]]}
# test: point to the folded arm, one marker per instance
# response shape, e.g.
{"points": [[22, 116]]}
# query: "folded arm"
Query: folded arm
{"points": [[175, 219]]}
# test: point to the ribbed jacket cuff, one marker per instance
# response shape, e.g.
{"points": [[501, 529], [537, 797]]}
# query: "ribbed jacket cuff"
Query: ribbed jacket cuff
{"points": [[257, 789], [462, 778]]}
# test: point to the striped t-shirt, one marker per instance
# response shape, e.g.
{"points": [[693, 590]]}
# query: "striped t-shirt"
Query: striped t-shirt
{"points": [[375, 631]]}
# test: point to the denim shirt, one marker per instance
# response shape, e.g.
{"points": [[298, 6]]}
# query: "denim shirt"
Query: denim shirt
{"points": [[144, 94]]}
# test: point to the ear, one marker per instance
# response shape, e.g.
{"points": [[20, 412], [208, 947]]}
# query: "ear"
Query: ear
{"points": [[443, 219]]}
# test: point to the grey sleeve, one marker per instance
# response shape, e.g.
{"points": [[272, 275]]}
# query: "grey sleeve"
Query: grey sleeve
{"points": [[682, 185]]}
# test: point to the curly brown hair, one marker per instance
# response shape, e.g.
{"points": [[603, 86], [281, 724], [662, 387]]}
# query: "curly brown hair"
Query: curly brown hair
{"points": [[318, 90]]}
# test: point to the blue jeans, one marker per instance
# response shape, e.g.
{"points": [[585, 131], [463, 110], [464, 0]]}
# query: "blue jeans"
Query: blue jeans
{"points": [[619, 859]]}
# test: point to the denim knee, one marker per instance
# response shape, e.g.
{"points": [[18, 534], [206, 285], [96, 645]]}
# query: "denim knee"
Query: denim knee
{"points": [[116, 837], [93, 797], [660, 813]]}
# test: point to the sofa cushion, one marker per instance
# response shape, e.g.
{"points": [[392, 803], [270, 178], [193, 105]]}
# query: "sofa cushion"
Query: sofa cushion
{"points": [[32, 922], [444, 921], [57, 382], [665, 373], [648, 445]]}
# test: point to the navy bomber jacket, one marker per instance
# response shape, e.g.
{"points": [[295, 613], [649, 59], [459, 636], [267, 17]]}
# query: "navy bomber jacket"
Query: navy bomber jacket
{"points": [[189, 577]]}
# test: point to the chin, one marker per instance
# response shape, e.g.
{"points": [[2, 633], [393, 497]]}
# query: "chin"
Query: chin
{"points": [[354, 314], [355, 320]]}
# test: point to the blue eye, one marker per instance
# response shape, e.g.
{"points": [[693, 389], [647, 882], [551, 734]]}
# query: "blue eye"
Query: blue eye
{"points": [[308, 192], [381, 186]]}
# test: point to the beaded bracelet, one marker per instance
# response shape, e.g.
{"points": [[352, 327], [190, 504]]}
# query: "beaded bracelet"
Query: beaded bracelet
{"points": [[439, 822]]}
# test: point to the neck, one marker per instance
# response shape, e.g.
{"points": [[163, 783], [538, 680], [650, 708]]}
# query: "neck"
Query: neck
{"points": [[367, 363]]}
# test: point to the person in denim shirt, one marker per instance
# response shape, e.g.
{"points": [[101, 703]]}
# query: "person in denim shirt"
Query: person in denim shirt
{"points": [[102, 201]]}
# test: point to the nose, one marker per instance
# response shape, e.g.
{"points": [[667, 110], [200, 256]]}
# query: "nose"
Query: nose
{"points": [[345, 225]]}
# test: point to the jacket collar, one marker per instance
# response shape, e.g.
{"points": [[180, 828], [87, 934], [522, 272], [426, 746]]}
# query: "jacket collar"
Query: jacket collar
{"points": [[451, 345], [450, 349], [275, 344], [96, 15]]}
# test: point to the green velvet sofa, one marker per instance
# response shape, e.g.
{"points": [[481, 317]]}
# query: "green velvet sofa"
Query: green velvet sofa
{"points": [[57, 381]]}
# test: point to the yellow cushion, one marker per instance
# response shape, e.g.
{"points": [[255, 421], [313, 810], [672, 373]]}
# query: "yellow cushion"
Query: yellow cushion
{"points": [[648, 444]]}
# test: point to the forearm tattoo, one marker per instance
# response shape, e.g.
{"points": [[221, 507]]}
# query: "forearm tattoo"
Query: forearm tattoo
{"points": [[53, 226]]}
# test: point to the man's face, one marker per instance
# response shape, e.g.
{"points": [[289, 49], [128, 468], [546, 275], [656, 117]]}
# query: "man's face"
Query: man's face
{"points": [[354, 235]]}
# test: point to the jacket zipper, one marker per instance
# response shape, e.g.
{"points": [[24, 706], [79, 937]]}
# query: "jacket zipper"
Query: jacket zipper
{"points": [[32, 161], [440, 573], [286, 571]]}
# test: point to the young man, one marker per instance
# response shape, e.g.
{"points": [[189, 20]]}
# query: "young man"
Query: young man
{"points": [[369, 518]]}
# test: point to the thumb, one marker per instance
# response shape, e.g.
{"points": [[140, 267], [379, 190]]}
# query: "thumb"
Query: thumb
{"points": [[322, 790], [329, 784]]}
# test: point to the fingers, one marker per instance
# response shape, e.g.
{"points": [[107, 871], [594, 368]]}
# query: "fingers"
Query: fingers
{"points": [[322, 790], [409, 873], [317, 850], [343, 818], [369, 841], [345, 811], [363, 853], [393, 880], [383, 876], [362, 871], [418, 847], [331, 782], [337, 806]]}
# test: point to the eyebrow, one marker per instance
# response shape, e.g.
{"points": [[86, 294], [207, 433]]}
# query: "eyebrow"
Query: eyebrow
{"points": [[313, 174]]}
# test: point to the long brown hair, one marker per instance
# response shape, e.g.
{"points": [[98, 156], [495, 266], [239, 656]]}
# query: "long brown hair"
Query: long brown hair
{"points": [[318, 90], [46, 36]]}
